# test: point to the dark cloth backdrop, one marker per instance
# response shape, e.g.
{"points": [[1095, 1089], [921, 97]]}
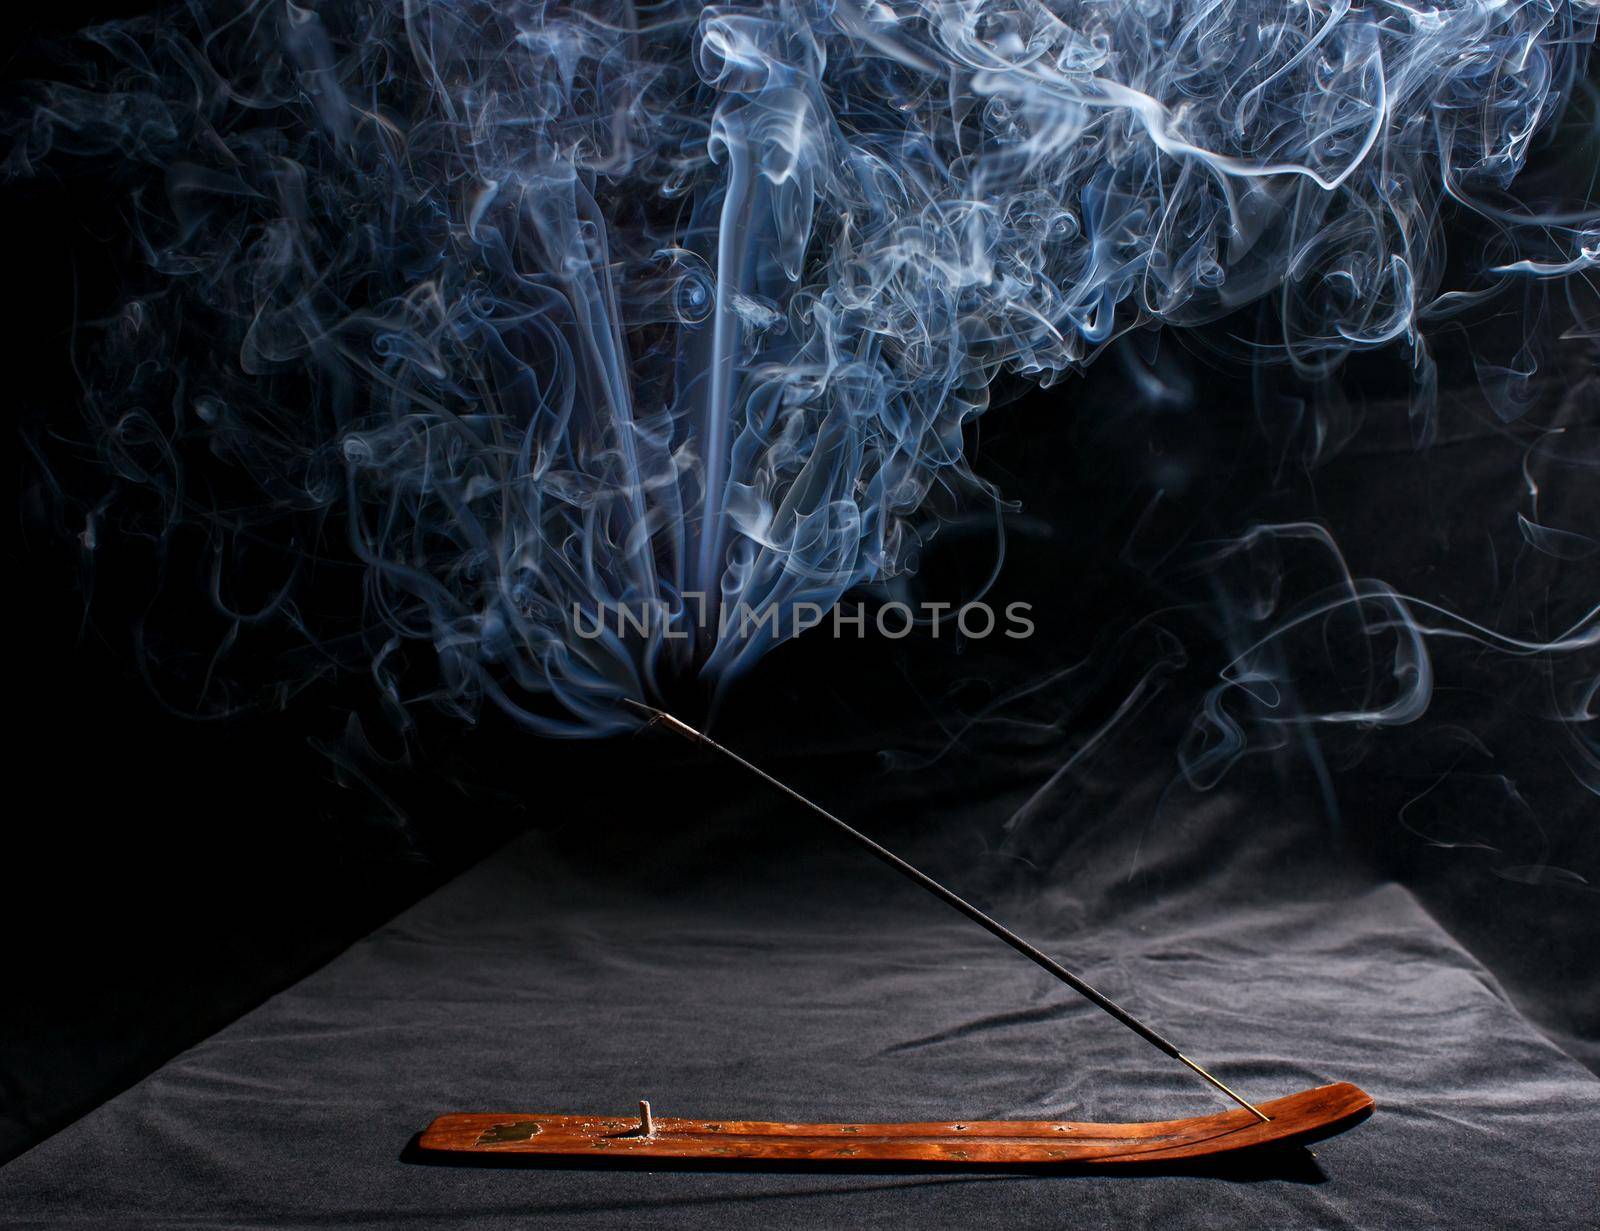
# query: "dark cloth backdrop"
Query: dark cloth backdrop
{"points": [[745, 966], [1409, 907]]}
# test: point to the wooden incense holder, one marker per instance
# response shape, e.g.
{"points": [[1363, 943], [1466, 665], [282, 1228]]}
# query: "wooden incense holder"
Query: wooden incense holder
{"points": [[1294, 1120]]}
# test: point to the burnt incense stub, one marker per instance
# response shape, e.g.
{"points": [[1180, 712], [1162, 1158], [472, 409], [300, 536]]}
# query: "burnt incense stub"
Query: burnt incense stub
{"points": [[1296, 1119]]}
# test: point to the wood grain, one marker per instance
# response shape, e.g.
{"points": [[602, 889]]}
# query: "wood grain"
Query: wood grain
{"points": [[1297, 1118]]}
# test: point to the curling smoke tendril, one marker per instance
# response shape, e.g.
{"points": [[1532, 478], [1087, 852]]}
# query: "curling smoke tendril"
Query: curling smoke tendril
{"points": [[566, 308]]}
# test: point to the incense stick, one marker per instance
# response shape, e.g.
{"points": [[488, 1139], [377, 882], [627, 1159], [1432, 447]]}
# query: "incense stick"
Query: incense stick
{"points": [[918, 877]]}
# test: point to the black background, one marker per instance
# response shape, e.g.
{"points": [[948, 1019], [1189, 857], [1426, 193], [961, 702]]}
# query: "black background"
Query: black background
{"points": [[161, 875]]}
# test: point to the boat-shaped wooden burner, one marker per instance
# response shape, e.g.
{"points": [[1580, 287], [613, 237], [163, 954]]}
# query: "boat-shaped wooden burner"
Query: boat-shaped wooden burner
{"points": [[1292, 1120]]}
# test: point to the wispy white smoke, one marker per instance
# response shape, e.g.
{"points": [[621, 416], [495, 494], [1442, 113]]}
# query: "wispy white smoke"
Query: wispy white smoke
{"points": [[567, 307]]}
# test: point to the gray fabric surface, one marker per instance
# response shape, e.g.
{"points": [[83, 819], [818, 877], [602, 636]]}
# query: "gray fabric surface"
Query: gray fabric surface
{"points": [[810, 986]]}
